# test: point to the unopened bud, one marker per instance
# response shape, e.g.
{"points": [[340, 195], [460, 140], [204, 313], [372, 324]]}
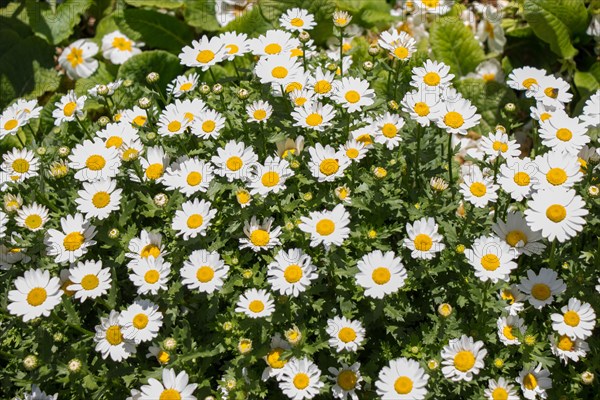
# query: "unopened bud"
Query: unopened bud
{"points": [[304, 36], [217, 88], [152, 77], [103, 121]]}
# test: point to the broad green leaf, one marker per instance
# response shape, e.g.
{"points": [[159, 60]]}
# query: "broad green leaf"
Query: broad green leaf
{"points": [[55, 26], [201, 14], [137, 67], [454, 44], [556, 22], [167, 4]]}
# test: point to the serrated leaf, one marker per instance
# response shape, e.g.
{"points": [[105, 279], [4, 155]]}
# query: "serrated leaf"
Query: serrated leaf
{"points": [[454, 44], [556, 21], [55, 26]]}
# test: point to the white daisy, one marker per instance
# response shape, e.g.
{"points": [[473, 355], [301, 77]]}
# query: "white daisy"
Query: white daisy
{"points": [[189, 176], [498, 144], [326, 164], [94, 161], [590, 116], [141, 321], [273, 42], [297, 20], [347, 380], [399, 43], [564, 134], [118, 134], [300, 379], [275, 361], [20, 164], [204, 271], [110, 341], [259, 111], [354, 150], [260, 236], [194, 218], [278, 70], [327, 227], [353, 93], [492, 259], [500, 390], [518, 235], [457, 116], [183, 84], [89, 280], [10, 122], [525, 79], [172, 387], [439, 7], [291, 272], [77, 59], [255, 303], [577, 320], [542, 288], [432, 74], [387, 130], [288, 147], [380, 273], [118, 48], [35, 295], [557, 169], [148, 244], [423, 239], [136, 117], [534, 381], [208, 124], [515, 299], [154, 164], [508, 327], [518, 177], [567, 348], [421, 106], [477, 189], [235, 44], [172, 121], [552, 91], [99, 199], [234, 161], [203, 53], [270, 177], [402, 379], [463, 358], [345, 334], [68, 108], [150, 275], [72, 241]]}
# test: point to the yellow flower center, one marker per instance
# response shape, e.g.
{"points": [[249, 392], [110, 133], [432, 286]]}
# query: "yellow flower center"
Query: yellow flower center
{"points": [[152, 276], [174, 126], [565, 343], [507, 295], [352, 96], [490, 262], [205, 274], [140, 120], [73, 241], [11, 124], [208, 126], [37, 296], [500, 146], [243, 197], [163, 357], [260, 237], [205, 56], [352, 153], [150, 250], [454, 120], [274, 358], [464, 360], [234, 163], [381, 275], [293, 273], [478, 189], [347, 334], [325, 227], [170, 394], [322, 86], [260, 114], [232, 48], [564, 134], [507, 332], [545, 116], [33, 221], [551, 92], [69, 108], [90, 282], [270, 179], [75, 57], [186, 86], [432, 79], [256, 306], [114, 335], [314, 119], [403, 385], [522, 178], [389, 130], [195, 221], [279, 72], [530, 381], [422, 109], [556, 213], [101, 199], [347, 380], [401, 52], [489, 77], [571, 318], [140, 321], [556, 176], [154, 171], [20, 165], [499, 394], [514, 237], [329, 166], [540, 291], [527, 83], [301, 381], [114, 141], [423, 242], [293, 86], [194, 178], [122, 44], [273, 48], [95, 162], [298, 22]]}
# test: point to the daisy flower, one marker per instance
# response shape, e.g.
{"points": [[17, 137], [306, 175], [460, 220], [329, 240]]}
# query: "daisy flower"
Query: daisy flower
{"points": [[322, 83], [154, 164], [432, 74], [463, 358], [387, 129], [345, 334], [365, 134], [534, 381], [577, 320], [491, 258], [183, 84], [380, 273], [542, 288], [515, 299], [235, 44], [518, 177], [118, 48], [146, 245], [525, 79], [477, 189], [291, 272], [260, 236], [326, 164], [255, 303], [402, 379], [234, 161], [541, 113], [161, 355], [172, 121], [141, 321], [439, 7], [77, 59], [9, 256], [457, 116], [203, 53], [110, 341], [590, 116], [94, 161], [558, 213], [289, 147], [243, 197], [300, 379], [136, 117], [567, 348], [173, 386], [204, 271], [193, 218], [278, 70], [347, 381], [99, 199], [489, 71], [150, 275], [314, 116], [259, 111], [489, 28], [270, 177], [68, 108], [423, 239], [72, 241], [562, 133], [497, 144], [327, 227], [301, 97], [353, 93], [556, 169], [35, 295], [274, 42], [20, 164], [297, 20], [10, 122], [208, 124], [552, 91], [421, 106], [189, 176], [37, 394], [341, 19], [275, 362], [89, 280], [518, 235], [117, 134], [500, 389], [400, 44], [507, 326]]}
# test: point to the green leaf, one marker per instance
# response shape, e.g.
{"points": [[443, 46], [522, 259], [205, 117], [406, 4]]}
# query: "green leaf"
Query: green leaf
{"points": [[454, 44], [201, 14], [556, 22], [156, 30], [55, 26], [138, 66], [167, 4]]}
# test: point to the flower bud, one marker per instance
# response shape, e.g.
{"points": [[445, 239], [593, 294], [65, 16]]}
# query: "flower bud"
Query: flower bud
{"points": [[74, 365], [393, 105], [244, 346], [307, 196], [243, 94], [217, 88], [58, 337], [204, 89], [433, 364], [372, 234], [102, 90], [368, 66], [498, 363], [374, 49], [510, 107], [151, 136], [63, 151], [332, 67], [380, 172], [444, 310], [144, 103], [247, 274], [103, 121], [304, 37], [295, 164], [161, 199], [587, 377], [127, 82], [152, 77], [593, 191], [170, 344], [113, 233], [30, 362], [227, 326]]}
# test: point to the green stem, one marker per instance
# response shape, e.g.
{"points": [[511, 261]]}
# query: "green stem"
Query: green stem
{"points": [[83, 128], [212, 75], [341, 52], [237, 72], [553, 254], [418, 153], [76, 327], [20, 140], [450, 156]]}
